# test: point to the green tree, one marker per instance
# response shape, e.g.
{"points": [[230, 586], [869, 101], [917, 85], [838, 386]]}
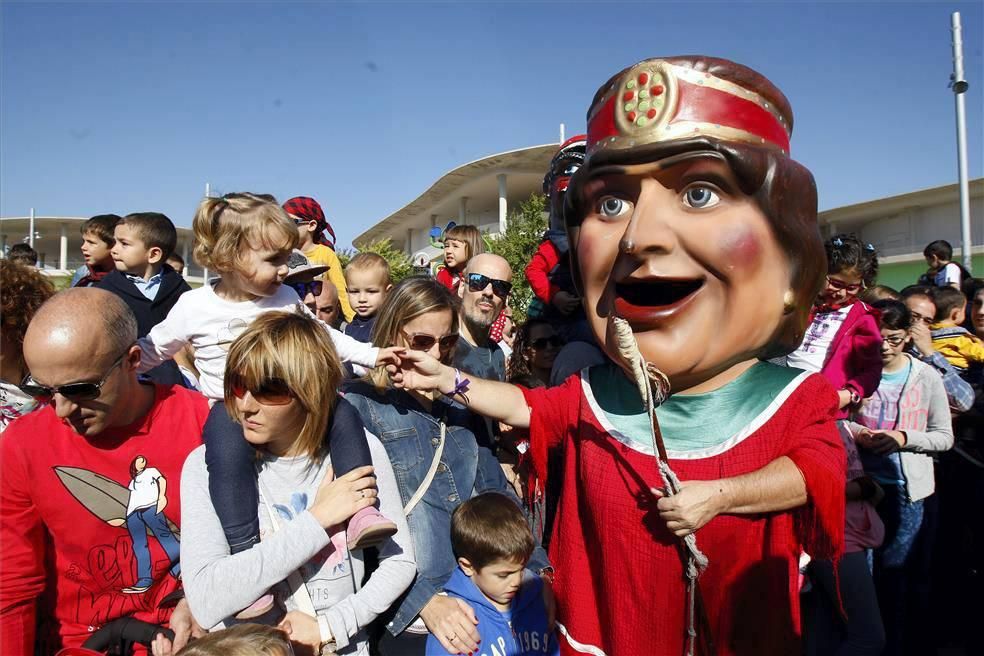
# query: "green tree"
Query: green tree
{"points": [[399, 262], [524, 231]]}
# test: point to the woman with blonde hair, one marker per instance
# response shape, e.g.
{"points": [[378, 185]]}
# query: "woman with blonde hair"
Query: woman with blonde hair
{"points": [[438, 462], [241, 640], [280, 384]]}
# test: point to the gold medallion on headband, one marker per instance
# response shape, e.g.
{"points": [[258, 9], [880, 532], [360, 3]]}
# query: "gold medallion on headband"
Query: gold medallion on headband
{"points": [[647, 98]]}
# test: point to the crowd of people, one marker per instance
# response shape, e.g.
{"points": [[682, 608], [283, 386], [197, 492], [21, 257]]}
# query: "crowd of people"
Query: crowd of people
{"points": [[713, 433]]}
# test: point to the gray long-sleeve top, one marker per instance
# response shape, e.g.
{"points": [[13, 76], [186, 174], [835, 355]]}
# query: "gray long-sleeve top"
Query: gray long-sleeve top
{"points": [[219, 584]]}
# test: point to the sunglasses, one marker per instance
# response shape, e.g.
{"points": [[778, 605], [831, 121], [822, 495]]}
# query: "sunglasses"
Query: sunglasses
{"points": [[424, 341], [71, 391], [843, 286], [542, 342], [313, 287], [477, 282], [301, 222], [271, 392]]}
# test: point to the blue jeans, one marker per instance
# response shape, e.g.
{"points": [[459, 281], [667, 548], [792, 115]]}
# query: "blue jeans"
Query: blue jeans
{"points": [[137, 523], [232, 474]]}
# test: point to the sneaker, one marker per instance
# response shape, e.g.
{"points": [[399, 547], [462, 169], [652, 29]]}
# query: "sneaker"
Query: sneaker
{"points": [[367, 528], [257, 608]]}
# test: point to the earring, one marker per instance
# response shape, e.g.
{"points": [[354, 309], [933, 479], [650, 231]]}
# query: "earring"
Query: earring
{"points": [[788, 301]]}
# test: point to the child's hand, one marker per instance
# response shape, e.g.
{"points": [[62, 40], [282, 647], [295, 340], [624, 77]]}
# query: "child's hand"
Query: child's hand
{"points": [[339, 499], [883, 443], [302, 629], [389, 355]]}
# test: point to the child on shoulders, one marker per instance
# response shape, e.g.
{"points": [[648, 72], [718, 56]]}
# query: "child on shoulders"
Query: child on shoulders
{"points": [[493, 544], [461, 243]]}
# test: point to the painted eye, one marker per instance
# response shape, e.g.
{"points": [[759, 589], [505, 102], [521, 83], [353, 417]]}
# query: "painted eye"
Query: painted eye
{"points": [[700, 197], [612, 207]]}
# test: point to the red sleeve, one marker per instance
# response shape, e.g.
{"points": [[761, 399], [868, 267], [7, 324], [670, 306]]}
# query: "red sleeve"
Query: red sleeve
{"points": [[444, 277], [22, 545], [538, 271], [816, 448], [553, 414], [865, 358]]}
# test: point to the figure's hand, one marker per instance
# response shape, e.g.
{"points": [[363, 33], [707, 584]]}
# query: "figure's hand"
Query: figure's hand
{"points": [[565, 302], [419, 371], [921, 338], [161, 504], [881, 443], [302, 629], [389, 355], [339, 499], [453, 622], [697, 503]]}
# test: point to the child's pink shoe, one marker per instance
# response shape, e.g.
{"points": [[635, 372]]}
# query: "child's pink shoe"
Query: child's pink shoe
{"points": [[367, 528], [259, 607]]}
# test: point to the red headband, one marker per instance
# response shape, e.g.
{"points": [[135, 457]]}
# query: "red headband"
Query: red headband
{"points": [[656, 101]]}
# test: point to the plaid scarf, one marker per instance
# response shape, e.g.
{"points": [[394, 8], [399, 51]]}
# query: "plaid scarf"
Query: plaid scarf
{"points": [[92, 277]]}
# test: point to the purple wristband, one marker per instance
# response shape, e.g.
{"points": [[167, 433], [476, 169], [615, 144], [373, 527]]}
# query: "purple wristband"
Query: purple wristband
{"points": [[460, 385]]}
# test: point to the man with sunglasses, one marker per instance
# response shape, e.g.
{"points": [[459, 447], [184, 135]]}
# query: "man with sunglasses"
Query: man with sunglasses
{"points": [[487, 281], [72, 563]]}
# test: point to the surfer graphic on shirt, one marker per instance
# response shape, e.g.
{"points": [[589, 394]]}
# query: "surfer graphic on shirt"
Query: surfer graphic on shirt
{"points": [[139, 507]]}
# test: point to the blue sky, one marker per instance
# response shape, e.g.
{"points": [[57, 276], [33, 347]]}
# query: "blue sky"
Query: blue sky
{"points": [[134, 106]]}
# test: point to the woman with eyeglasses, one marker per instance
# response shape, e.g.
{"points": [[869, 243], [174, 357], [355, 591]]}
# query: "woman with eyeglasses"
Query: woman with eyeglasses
{"points": [[281, 382], [535, 349], [438, 465], [842, 341]]}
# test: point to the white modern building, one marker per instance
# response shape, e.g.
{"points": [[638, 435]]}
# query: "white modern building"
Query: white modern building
{"points": [[479, 193], [58, 240]]}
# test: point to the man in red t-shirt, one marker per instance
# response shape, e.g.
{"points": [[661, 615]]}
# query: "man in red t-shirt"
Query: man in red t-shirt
{"points": [[89, 485]]}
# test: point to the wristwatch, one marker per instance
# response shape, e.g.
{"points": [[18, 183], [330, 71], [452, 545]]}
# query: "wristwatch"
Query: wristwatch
{"points": [[855, 397]]}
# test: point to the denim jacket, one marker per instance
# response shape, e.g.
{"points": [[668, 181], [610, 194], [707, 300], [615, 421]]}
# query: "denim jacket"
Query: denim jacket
{"points": [[411, 434]]}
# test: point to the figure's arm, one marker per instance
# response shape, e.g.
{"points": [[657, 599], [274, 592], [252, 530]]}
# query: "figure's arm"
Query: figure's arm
{"points": [[161, 494], [499, 401], [22, 544]]}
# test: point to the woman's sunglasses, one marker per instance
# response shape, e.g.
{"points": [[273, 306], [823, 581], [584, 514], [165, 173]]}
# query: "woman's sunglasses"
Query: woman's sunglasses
{"points": [[844, 287], [71, 391], [425, 341], [270, 392], [313, 287], [477, 282], [554, 341]]}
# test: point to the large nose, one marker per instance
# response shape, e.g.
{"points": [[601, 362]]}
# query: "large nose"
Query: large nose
{"points": [[63, 406], [651, 227]]}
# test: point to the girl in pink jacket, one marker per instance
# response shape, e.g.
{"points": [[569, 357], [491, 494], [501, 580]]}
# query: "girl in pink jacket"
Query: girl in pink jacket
{"points": [[843, 341]]}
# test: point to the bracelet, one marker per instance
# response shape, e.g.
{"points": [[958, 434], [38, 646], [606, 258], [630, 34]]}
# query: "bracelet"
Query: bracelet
{"points": [[460, 386]]}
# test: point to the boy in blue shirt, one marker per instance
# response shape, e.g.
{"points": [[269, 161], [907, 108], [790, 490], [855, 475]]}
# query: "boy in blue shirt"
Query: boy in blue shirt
{"points": [[493, 544]]}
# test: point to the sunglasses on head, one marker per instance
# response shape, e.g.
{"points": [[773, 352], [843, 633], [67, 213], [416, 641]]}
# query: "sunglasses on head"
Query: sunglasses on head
{"points": [[313, 287], [71, 391], [542, 342], [477, 282], [425, 341], [271, 392], [843, 286]]}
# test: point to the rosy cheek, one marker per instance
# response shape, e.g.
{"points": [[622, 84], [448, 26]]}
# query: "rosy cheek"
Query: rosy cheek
{"points": [[741, 245]]}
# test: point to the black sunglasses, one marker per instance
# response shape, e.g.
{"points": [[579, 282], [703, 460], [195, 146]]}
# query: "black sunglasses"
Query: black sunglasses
{"points": [[314, 287], [477, 282], [553, 340], [425, 341], [272, 392], [71, 391]]}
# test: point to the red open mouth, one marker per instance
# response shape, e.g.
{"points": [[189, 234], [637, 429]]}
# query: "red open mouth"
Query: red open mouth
{"points": [[645, 301]]}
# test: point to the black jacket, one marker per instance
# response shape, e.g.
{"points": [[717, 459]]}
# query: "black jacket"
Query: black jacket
{"points": [[149, 313]]}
